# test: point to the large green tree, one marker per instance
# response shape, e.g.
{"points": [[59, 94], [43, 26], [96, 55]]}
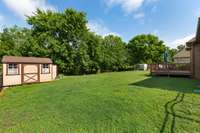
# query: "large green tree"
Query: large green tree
{"points": [[12, 40], [146, 49], [171, 53], [94, 50], [180, 47], [60, 36], [114, 53]]}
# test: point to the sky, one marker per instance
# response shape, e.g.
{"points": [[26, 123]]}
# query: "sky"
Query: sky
{"points": [[173, 21]]}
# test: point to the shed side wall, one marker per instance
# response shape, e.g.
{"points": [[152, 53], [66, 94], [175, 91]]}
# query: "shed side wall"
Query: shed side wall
{"points": [[54, 72], [182, 60], [9, 80], [46, 77], [196, 59]]}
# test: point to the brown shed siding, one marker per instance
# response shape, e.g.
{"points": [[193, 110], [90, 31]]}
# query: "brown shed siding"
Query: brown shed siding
{"points": [[196, 61], [192, 59]]}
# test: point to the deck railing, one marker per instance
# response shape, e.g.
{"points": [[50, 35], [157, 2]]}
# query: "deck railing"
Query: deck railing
{"points": [[170, 67]]}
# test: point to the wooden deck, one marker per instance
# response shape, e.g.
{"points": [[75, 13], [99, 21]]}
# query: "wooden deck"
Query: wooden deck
{"points": [[171, 69]]}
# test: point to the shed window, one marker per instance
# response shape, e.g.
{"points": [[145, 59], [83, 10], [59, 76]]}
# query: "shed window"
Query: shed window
{"points": [[45, 68], [13, 69]]}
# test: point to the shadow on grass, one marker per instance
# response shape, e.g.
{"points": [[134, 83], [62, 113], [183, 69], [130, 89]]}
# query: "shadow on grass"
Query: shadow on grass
{"points": [[170, 111], [179, 84]]}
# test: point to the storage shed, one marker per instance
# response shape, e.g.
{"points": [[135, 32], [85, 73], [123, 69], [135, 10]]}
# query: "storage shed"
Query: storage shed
{"points": [[25, 70]]}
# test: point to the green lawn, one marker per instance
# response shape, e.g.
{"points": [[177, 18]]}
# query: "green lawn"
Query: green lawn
{"points": [[105, 103]]}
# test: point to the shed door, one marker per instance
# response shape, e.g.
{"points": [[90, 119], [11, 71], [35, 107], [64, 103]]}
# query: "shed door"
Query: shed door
{"points": [[30, 73]]}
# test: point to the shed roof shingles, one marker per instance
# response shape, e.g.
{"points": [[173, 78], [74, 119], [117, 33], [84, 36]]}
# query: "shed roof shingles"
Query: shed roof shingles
{"points": [[183, 54], [18, 59]]}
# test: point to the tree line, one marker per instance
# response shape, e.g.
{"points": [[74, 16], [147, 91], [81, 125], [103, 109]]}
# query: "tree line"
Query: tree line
{"points": [[65, 38]]}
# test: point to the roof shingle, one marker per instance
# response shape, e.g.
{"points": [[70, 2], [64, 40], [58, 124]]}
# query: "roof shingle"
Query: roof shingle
{"points": [[18, 59], [183, 54]]}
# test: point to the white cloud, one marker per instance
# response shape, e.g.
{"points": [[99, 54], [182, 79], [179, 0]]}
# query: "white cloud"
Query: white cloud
{"points": [[150, 1], [179, 41], [27, 7], [99, 28], [140, 15], [128, 6]]}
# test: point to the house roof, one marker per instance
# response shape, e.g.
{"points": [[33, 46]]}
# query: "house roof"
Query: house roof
{"points": [[192, 40], [197, 37], [18, 59], [183, 54]]}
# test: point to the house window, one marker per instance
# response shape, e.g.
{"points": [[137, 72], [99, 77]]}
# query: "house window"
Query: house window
{"points": [[13, 69], [45, 68]]}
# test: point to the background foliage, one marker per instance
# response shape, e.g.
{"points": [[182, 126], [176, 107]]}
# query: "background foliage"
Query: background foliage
{"points": [[65, 38]]}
